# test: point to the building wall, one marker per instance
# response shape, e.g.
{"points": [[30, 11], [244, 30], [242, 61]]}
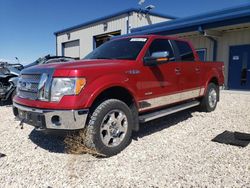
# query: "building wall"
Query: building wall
{"points": [[231, 38], [85, 34]]}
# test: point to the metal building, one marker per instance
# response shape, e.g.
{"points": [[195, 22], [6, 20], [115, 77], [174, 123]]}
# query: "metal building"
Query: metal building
{"points": [[217, 36], [78, 41]]}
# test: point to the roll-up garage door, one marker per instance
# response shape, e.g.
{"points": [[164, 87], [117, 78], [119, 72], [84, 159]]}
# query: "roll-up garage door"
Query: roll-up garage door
{"points": [[71, 49]]}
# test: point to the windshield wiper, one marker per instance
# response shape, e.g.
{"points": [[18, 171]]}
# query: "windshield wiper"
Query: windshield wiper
{"points": [[103, 58]]}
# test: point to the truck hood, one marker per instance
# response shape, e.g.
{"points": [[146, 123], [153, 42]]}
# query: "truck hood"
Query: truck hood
{"points": [[95, 63], [83, 67]]}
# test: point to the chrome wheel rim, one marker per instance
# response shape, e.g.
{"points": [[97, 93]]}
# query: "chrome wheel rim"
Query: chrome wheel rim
{"points": [[113, 128], [212, 98]]}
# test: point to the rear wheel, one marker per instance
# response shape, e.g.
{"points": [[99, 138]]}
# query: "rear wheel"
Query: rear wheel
{"points": [[109, 128], [209, 101]]}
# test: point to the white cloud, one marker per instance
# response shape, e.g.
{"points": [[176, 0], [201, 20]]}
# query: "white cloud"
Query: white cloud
{"points": [[141, 2]]}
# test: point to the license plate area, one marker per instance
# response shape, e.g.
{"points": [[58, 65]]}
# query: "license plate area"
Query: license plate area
{"points": [[23, 114], [32, 118]]}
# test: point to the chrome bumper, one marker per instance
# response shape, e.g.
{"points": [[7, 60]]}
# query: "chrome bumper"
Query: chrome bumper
{"points": [[51, 119]]}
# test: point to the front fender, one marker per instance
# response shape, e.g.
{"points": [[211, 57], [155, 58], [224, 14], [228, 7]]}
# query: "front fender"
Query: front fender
{"points": [[97, 86]]}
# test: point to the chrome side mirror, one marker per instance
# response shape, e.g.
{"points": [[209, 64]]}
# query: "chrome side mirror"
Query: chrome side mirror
{"points": [[160, 54], [156, 58]]}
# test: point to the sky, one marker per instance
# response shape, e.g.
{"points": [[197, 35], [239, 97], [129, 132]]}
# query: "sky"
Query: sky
{"points": [[27, 26]]}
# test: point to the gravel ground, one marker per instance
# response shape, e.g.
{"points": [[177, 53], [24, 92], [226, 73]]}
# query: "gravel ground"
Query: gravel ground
{"points": [[170, 152]]}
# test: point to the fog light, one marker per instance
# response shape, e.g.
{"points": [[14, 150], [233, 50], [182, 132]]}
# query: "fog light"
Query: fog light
{"points": [[56, 120], [15, 111]]}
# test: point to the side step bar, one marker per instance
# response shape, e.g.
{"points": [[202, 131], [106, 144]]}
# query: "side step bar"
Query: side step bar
{"points": [[164, 112]]}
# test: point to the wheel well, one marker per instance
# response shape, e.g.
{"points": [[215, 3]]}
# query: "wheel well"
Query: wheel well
{"points": [[119, 93], [214, 80], [124, 95]]}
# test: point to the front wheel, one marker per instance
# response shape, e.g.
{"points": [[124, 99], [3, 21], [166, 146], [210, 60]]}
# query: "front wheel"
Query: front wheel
{"points": [[109, 128], [209, 101]]}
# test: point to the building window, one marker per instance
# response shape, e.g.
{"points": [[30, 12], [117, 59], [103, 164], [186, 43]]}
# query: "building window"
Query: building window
{"points": [[202, 53], [100, 39]]}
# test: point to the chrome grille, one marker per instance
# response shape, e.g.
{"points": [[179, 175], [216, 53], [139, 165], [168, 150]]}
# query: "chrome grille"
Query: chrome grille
{"points": [[34, 77], [28, 86], [27, 95], [34, 86]]}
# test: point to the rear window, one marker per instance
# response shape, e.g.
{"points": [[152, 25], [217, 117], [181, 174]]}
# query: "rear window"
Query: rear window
{"points": [[185, 51]]}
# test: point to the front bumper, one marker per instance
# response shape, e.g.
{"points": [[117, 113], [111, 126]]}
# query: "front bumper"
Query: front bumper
{"points": [[51, 119]]}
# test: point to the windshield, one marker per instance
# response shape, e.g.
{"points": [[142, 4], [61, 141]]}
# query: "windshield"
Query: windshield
{"points": [[127, 48]]}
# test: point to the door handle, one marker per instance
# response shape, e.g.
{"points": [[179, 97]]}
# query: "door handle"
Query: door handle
{"points": [[177, 70], [197, 69]]}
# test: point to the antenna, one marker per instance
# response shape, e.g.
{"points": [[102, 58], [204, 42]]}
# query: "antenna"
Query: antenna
{"points": [[17, 59]]}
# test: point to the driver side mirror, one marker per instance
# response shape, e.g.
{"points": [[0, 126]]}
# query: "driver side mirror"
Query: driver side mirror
{"points": [[156, 58]]}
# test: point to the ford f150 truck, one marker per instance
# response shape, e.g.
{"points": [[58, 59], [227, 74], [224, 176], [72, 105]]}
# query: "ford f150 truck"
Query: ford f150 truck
{"points": [[125, 81]]}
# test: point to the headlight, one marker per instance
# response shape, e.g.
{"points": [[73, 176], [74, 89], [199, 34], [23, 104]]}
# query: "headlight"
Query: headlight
{"points": [[66, 86]]}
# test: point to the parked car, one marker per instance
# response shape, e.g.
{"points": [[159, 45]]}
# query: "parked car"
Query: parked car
{"points": [[125, 81], [9, 74]]}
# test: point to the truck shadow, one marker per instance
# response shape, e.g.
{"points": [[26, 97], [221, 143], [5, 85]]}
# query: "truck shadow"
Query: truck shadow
{"points": [[162, 123], [55, 143], [51, 142], [6, 103]]}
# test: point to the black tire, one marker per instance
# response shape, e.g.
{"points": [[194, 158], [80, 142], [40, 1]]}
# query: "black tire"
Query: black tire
{"points": [[93, 134], [205, 105]]}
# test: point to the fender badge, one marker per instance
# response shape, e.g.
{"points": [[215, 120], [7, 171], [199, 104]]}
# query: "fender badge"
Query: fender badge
{"points": [[133, 71]]}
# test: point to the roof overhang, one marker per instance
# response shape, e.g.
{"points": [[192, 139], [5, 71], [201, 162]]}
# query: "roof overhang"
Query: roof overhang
{"points": [[226, 17]]}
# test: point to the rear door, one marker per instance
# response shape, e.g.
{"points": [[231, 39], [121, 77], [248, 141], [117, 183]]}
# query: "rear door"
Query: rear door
{"points": [[189, 71]]}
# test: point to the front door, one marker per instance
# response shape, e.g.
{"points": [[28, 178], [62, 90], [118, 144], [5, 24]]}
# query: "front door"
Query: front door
{"points": [[158, 85], [239, 67]]}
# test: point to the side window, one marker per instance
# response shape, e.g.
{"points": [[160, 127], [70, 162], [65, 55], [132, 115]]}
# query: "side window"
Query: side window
{"points": [[202, 53], [186, 53], [160, 45]]}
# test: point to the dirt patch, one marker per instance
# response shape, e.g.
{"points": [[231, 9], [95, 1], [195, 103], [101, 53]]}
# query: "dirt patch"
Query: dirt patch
{"points": [[75, 144]]}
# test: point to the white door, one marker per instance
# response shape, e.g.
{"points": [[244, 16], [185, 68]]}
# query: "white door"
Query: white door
{"points": [[71, 49]]}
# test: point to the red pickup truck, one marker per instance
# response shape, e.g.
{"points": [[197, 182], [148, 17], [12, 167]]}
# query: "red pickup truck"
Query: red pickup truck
{"points": [[125, 81]]}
